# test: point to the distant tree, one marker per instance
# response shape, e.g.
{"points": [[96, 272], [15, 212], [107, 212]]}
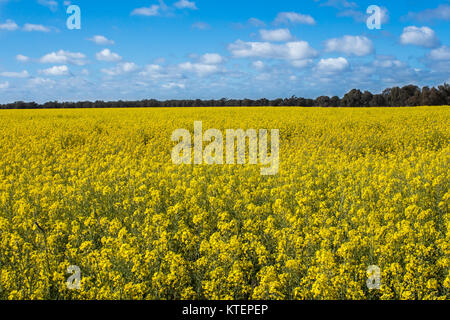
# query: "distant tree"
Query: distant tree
{"points": [[409, 95], [335, 101], [435, 98], [378, 100], [277, 102], [323, 101], [352, 99], [445, 92], [425, 97], [395, 97], [366, 99]]}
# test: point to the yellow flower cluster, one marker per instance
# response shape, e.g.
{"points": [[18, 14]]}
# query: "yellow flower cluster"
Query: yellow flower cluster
{"points": [[97, 189]]}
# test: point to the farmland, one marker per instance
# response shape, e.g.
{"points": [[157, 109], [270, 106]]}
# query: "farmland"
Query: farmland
{"points": [[97, 189]]}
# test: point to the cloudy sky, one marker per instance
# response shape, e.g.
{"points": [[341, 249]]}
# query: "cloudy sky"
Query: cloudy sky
{"points": [[212, 49]]}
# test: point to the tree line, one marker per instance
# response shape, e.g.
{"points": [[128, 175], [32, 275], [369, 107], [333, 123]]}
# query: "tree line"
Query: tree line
{"points": [[409, 95]]}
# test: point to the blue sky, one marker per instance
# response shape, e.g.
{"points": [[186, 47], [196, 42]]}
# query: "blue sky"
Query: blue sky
{"points": [[205, 49]]}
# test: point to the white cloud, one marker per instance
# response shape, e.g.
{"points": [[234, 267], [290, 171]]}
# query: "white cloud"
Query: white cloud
{"points": [[384, 15], [35, 27], [258, 65], [23, 74], [333, 65], [256, 22], [201, 26], [440, 54], [424, 37], [174, 85], [55, 71], [298, 50], [153, 10], [4, 85], [22, 58], [301, 63], [339, 4], [108, 55], [101, 40], [42, 82], [9, 25], [294, 17], [153, 71], [185, 4], [121, 68], [51, 4], [275, 35], [64, 57], [388, 62], [442, 12], [350, 45], [200, 69], [211, 58]]}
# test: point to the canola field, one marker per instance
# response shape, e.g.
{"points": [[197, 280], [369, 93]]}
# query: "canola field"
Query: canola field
{"points": [[97, 189]]}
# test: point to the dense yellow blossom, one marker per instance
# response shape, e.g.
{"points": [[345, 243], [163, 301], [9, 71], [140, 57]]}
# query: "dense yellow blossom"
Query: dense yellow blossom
{"points": [[97, 189]]}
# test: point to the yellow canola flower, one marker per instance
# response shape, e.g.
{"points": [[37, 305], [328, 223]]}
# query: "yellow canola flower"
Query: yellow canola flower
{"points": [[97, 189]]}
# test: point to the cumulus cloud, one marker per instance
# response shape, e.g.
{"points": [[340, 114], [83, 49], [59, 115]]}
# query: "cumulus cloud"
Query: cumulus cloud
{"points": [[35, 27], [298, 50], [424, 37], [200, 69], [388, 62], [153, 10], [108, 56], [440, 54], [7, 74], [333, 65], [294, 18], [121, 68], [55, 71], [9, 25], [153, 71], [185, 4], [275, 35], [207, 64], [22, 58], [101, 40], [64, 57], [211, 58], [350, 45]]}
